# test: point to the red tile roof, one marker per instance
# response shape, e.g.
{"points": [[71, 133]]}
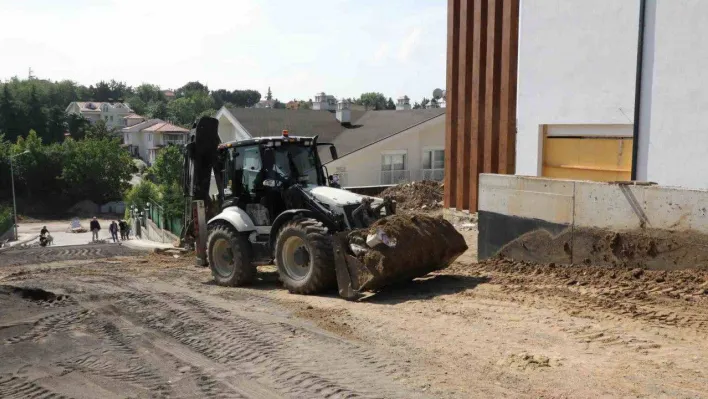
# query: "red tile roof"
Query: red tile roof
{"points": [[166, 128]]}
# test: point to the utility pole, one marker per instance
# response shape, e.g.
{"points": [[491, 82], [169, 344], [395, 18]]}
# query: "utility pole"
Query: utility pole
{"points": [[14, 201]]}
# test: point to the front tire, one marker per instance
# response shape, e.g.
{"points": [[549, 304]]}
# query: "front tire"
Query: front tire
{"points": [[304, 257], [229, 254]]}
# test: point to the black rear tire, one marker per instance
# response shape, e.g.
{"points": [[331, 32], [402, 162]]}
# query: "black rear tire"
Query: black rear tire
{"points": [[304, 257], [229, 254]]}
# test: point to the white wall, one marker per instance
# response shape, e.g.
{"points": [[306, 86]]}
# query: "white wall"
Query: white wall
{"points": [[673, 132], [577, 63], [363, 167]]}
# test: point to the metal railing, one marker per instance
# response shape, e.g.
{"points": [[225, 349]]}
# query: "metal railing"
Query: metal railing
{"points": [[360, 178], [394, 176], [432, 174]]}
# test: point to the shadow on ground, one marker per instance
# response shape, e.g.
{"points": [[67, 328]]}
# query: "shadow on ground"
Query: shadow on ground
{"points": [[425, 288], [421, 288]]}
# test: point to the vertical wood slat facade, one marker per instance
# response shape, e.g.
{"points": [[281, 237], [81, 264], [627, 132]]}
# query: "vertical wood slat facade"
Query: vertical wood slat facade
{"points": [[480, 132]]}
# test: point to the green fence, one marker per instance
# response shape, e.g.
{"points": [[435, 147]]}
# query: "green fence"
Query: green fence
{"points": [[171, 224]]}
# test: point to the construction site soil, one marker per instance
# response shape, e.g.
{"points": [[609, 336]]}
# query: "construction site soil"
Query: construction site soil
{"points": [[136, 325], [646, 248], [436, 245], [421, 195]]}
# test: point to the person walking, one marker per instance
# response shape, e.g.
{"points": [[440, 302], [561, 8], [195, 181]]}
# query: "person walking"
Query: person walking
{"points": [[94, 227], [113, 229], [123, 229], [138, 233]]}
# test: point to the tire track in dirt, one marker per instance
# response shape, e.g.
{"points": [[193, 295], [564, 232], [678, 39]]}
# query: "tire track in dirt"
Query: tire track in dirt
{"points": [[136, 372], [240, 342], [51, 324], [12, 387], [18, 257], [324, 358]]}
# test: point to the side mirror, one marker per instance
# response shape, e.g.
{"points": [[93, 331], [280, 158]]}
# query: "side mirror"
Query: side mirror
{"points": [[333, 152], [268, 158]]}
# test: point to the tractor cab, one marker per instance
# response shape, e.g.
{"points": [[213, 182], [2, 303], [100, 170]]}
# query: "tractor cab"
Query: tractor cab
{"points": [[257, 172]]}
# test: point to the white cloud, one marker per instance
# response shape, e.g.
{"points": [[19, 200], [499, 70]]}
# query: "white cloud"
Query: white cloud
{"points": [[409, 44]]}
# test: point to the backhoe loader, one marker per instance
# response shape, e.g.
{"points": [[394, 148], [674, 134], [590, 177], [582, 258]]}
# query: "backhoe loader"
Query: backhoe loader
{"points": [[274, 205]]}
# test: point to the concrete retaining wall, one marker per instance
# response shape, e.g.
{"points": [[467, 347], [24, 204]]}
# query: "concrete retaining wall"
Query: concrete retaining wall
{"points": [[568, 221], [153, 232]]}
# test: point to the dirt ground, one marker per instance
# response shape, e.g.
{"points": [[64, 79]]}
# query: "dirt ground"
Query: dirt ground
{"points": [[134, 325]]}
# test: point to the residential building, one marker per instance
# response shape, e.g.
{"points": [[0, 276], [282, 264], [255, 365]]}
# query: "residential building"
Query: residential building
{"points": [[111, 113], [145, 139], [324, 102], [169, 94], [133, 119], [374, 147]]}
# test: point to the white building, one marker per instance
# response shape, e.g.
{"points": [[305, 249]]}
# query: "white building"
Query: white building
{"points": [[324, 102], [145, 139], [576, 90], [112, 113], [374, 147]]}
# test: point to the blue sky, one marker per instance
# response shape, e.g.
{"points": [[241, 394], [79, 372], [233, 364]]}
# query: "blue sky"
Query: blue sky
{"points": [[298, 48]]}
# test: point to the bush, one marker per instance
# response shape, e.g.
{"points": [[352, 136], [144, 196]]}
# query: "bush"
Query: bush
{"points": [[140, 195], [5, 218]]}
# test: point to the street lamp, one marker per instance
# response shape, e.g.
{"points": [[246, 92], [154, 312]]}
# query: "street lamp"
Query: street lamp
{"points": [[12, 179]]}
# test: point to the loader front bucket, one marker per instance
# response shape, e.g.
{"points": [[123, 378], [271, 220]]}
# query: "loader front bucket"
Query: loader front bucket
{"points": [[412, 246]]}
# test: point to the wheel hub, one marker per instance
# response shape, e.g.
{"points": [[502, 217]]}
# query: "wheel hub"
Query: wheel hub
{"points": [[295, 258], [301, 256]]}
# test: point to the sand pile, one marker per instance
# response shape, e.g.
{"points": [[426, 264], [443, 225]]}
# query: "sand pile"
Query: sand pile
{"points": [[416, 195], [422, 244]]}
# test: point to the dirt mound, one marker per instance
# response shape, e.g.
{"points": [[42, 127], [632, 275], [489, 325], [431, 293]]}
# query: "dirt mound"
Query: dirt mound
{"points": [[422, 244], [650, 248], [425, 195]]}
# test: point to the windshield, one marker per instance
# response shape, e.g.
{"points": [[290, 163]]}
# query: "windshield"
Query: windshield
{"points": [[297, 162]]}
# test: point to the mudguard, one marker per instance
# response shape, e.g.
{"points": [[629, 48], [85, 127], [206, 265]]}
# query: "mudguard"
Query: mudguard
{"points": [[237, 217]]}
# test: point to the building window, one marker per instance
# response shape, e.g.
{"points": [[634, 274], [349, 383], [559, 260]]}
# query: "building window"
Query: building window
{"points": [[175, 139], [433, 165], [106, 118], [149, 137], [394, 168], [111, 118]]}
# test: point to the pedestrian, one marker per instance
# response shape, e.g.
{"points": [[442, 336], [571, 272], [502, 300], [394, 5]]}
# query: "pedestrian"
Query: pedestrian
{"points": [[138, 233], [113, 229], [95, 227], [123, 230]]}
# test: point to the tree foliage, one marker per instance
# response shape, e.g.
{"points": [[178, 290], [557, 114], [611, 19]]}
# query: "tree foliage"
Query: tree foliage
{"points": [[167, 167], [96, 169], [54, 176], [373, 100], [140, 194]]}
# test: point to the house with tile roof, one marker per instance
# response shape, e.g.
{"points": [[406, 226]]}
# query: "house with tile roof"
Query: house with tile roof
{"points": [[111, 113], [147, 138], [374, 147]]}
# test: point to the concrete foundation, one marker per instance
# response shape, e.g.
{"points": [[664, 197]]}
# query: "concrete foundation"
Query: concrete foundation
{"points": [[566, 221]]}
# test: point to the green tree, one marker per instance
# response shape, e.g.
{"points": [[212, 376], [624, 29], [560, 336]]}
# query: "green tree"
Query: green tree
{"points": [[138, 106], [57, 125], [373, 100], [390, 104], [35, 115], [167, 167], [148, 92], [191, 89], [140, 194], [96, 169], [99, 130], [157, 110], [10, 115], [78, 126], [269, 95], [424, 103], [278, 105]]}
